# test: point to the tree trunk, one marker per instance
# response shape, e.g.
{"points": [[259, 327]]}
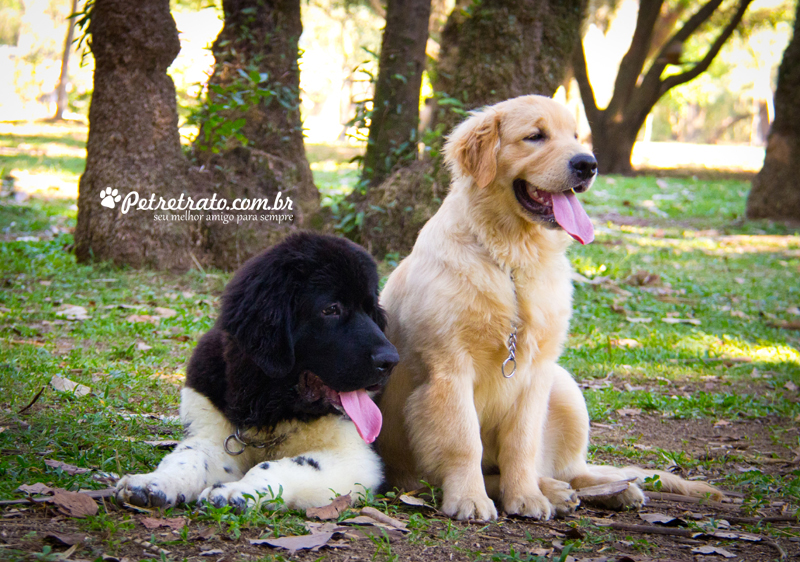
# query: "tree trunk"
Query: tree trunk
{"points": [[490, 51], [133, 140], [63, 79], [637, 91], [500, 49], [776, 193], [395, 114], [251, 137]]}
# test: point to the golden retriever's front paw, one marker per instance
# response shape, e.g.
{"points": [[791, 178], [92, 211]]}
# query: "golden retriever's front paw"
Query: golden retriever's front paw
{"points": [[533, 504], [561, 495], [472, 506]]}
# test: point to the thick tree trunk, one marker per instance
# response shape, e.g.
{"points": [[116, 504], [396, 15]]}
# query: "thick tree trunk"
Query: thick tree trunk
{"points": [[395, 114], [133, 140], [251, 137], [501, 49], [776, 192], [490, 51], [637, 91]]}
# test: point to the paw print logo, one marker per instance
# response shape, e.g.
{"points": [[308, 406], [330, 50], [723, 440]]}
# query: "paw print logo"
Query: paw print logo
{"points": [[109, 197]]}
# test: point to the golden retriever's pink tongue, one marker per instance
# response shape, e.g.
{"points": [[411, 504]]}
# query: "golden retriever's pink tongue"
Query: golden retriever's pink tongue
{"points": [[364, 413], [572, 218]]}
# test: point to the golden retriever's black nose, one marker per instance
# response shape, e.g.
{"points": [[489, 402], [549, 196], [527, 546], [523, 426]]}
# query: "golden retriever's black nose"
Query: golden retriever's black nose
{"points": [[584, 166]]}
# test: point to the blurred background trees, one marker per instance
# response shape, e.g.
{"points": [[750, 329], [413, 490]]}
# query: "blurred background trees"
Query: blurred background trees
{"points": [[254, 94]]}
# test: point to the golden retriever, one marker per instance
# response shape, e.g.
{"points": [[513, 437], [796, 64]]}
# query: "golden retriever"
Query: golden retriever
{"points": [[490, 268]]}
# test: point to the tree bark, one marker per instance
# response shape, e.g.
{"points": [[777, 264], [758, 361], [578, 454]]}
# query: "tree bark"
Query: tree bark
{"points": [[63, 79], [395, 114], [776, 193], [251, 137], [490, 51], [133, 142], [636, 91]]}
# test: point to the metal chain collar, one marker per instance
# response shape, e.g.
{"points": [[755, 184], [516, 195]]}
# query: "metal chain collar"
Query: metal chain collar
{"points": [[244, 444]]}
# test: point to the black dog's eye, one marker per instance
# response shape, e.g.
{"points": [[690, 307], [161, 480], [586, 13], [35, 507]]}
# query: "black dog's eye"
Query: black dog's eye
{"points": [[332, 310], [535, 137]]}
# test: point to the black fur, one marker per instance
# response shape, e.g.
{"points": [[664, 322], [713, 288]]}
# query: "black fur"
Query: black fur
{"points": [[272, 332]]}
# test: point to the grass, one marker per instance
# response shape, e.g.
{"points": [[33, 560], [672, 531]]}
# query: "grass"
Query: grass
{"points": [[680, 250]]}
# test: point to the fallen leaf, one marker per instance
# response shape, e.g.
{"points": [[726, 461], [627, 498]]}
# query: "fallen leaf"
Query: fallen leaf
{"points": [[788, 325], [66, 539], [175, 523], [212, 552], [73, 503], [298, 542], [65, 385], [674, 320], [721, 423], [643, 278], [740, 280], [72, 312], [125, 306], [627, 343], [411, 500], [140, 318], [382, 517], [141, 346], [790, 386], [739, 314], [629, 411], [633, 320], [663, 519], [331, 511], [793, 310], [604, 490], [708, 549], [38, 488], [164, 312], [205, 535], [70, 469]]}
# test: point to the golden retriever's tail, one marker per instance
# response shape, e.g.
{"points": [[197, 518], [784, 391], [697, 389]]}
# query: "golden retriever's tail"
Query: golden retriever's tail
{"points": [[662, 481]]}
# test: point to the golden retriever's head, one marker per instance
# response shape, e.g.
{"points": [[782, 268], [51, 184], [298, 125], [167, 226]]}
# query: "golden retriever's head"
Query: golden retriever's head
{"points": [[525, 151]]}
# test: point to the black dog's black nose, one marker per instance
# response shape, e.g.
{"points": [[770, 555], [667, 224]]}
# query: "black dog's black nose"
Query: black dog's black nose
{"points": [[584, 166], [385, 360]]}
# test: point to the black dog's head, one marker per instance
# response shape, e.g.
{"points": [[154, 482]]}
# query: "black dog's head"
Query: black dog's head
{"points": [[306, 312]]}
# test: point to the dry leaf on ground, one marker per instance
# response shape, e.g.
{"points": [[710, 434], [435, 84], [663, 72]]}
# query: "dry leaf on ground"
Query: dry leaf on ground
{"points": [[38, 488], [633, 320], [663, 519], [140, 318], [629, 411], [626, 343], [73, 503], [164, 312], [790, 386], [65, 385], [417, 502], [70, 469], [141, 346], [66, 539], [72, 312], [708, 549], [331, 511], [299, 542], [674, 320], [175, 523]]}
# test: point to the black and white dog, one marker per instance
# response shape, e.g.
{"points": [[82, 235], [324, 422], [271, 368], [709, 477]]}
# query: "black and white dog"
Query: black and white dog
{"points": [[277, 393]]}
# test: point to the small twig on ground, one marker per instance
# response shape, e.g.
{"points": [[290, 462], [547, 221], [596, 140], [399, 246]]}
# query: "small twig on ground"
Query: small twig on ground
{"points": [[196, 262], [664, 496], [32, 402], [777, 547], [757, 520]]}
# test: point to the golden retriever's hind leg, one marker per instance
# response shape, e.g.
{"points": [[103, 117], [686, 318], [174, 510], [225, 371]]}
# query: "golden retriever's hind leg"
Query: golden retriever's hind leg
{"points": [[632, 498]]}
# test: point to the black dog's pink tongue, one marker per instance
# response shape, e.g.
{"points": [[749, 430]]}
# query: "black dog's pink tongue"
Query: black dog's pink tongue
{"points": [[364, 413], [572, 218]]}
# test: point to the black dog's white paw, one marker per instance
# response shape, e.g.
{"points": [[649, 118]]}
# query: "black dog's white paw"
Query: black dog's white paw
{"points": [[147, 490]]}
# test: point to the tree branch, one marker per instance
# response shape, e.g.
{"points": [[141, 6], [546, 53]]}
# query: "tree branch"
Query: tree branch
{"points": [[633, 62], [587, 93], [703, 65]]}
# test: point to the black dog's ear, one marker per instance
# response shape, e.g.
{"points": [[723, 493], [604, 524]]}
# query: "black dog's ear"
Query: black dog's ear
{"points": [[257, 313]]}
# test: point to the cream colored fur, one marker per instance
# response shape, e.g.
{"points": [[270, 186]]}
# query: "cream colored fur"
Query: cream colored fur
{"points": [[480, 265], [199, 467]]}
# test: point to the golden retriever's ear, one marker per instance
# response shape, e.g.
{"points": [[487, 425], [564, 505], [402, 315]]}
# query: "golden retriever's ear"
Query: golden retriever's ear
{"points": [[472, 147]]}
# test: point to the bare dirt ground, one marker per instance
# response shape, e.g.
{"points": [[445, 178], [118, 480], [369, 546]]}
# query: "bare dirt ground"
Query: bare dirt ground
{"points": [[761, 445]]}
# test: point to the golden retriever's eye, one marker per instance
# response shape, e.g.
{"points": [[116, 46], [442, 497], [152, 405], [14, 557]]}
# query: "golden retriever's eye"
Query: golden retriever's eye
{"points": [[332, 310], [535, 137], [576, 136]]}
